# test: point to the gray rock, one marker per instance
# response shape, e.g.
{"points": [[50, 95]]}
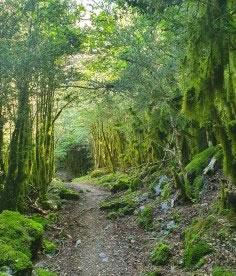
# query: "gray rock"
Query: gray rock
{"points": [[165, 206], [103, 257], [170, 225], [162, 181], [211, 166], [7, 270], [143, 198], [78, 242]]}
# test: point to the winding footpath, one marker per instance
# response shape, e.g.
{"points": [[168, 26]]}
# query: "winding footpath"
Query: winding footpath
{"points": [[92, 245]]}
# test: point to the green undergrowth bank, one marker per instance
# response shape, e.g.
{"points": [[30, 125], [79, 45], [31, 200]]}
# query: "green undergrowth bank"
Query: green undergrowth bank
{"points": [[20, 240], [21, 237], [115, 182], [57, 193]]}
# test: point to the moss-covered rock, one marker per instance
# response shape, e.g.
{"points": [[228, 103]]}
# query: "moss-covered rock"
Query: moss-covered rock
{"points": [[194, 171], [195, 246], [69, 194], [49, 247], [20, 239], [118, 182], [120, 206], [40, 219], [19, 262], [160, 254], [43, 272], [99, 172], [145, 217], [222, 271], [200, 161]]}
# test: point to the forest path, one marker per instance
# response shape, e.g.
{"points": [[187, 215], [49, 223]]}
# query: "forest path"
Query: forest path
{"points": [[91, 244]]}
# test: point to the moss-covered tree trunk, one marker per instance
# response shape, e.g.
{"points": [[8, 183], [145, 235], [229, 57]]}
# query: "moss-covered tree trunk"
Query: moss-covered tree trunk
{"points": [[20, 145]]}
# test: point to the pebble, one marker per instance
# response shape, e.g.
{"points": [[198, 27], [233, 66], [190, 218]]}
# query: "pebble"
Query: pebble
{"points": [[104, 257], [78, 242]]}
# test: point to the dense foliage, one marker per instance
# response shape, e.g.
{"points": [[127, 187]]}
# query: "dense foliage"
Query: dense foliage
{"points": [[151, 83], [35, 38]]}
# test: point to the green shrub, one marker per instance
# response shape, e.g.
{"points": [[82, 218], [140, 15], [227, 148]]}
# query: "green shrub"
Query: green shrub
{"points": [[222, 271], [145, 217], [195, 251], [20, 239], [49, 247], [160, 254], [195, 247], [44, 272]]}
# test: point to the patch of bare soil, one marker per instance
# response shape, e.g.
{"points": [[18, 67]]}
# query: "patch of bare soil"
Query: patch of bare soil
{"points": [[91, 245]]}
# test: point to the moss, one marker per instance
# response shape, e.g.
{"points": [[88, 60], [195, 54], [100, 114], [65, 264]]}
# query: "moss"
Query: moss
{"points": [[194, 252], [195, 247], [160, 254], [120, 185], [232, 134], [40, 219], [200, 161], [99, 172], [4, 274], [222, 271], [117, 182], [49, 247], [145, 217], [20, 239], [127, 210], [20, 232], [197, 187], [166, 191], [153, 273], [176, 216], [120, 206], [194, 170], [69, 194], [16, 260], [44, 272]]}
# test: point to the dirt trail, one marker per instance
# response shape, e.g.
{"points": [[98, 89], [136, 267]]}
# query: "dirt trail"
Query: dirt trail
{"points": [[92, 244]]}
